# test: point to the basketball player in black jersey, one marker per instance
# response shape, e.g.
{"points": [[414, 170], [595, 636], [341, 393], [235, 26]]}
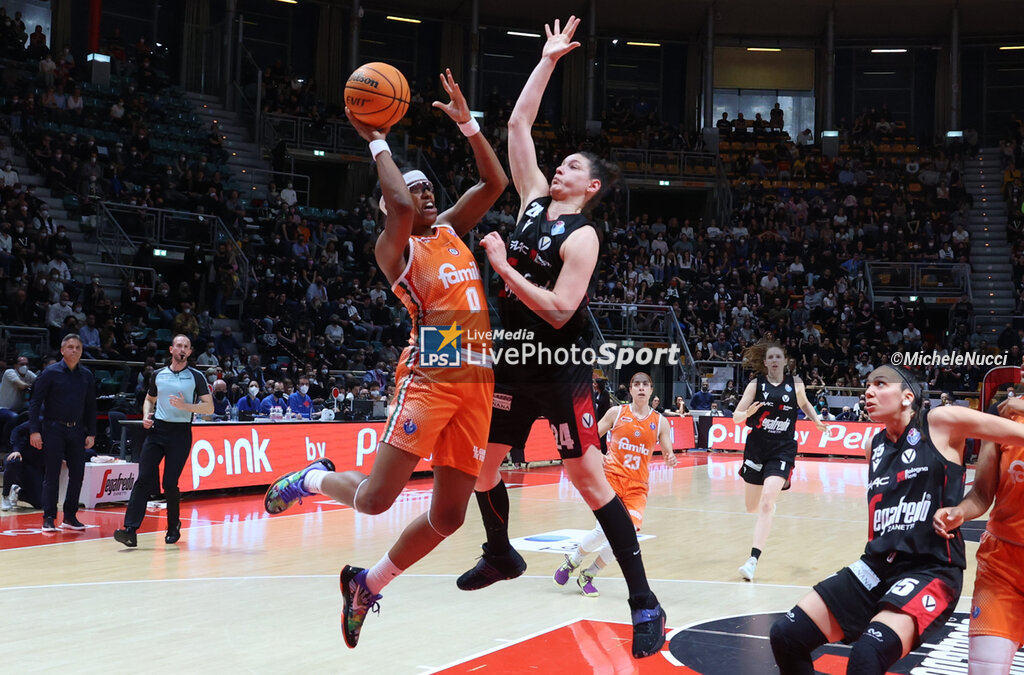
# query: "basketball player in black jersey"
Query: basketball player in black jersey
{"points": [[547, 269], [769, 406], [909, 579]]}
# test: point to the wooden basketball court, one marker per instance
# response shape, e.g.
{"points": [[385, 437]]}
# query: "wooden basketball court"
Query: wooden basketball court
{"points": [[246, 592]]}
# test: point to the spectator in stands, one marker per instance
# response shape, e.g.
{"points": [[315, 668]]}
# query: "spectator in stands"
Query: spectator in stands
{"points": [[289, 196], [299, 402], [226, 343], [185, 322], [724, 125], [249, 405], [912, 337], [702, 399], [221, 402], [209, 357], [275, 399], [253, 372], [777, 118], [14, 390], [215, 145]]}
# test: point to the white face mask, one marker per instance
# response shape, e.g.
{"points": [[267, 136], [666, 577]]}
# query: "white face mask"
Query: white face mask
{"points": [[22, 370], [253, 391], [304, 388]]}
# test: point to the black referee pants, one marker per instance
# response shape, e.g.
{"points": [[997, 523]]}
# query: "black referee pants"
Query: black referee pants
{"points": [[172, 443]]}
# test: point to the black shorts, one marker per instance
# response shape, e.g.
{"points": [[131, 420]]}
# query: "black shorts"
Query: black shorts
{"points": [[763, 458], [923, 588], [561, 394]]}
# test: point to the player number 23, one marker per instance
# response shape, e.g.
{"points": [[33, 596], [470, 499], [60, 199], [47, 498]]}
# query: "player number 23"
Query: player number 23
{"points": [[632, 462]]}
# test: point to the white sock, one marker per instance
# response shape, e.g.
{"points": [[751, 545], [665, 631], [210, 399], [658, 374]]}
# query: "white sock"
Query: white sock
{"points": [[381, 574], [313, 480]]}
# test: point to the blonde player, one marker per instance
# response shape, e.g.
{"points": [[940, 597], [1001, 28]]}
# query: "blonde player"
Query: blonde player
{"points": [[997, 630], [635, 428], [440, 413]]}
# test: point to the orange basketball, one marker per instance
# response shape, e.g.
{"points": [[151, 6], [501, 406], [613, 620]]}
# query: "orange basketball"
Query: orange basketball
{"points": [[377, 94]]}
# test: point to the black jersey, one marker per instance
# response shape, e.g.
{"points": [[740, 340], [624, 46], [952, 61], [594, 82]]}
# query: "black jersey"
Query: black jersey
{"points": [[908, 481], [534, 251], [776, 420]]}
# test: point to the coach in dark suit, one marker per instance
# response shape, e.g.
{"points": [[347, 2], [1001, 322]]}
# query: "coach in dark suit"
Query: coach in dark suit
{"points": [[62, 415]]}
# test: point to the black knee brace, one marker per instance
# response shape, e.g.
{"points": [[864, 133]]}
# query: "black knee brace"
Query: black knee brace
{"points": [[875, 650], [794, 636]]}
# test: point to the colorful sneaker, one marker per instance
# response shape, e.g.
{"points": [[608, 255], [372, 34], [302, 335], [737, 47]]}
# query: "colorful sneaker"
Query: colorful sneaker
{"points": [[492, 568], [748, 568], [648, 631], [564, 571], [358, 602], [586, 584], [288, 489]]}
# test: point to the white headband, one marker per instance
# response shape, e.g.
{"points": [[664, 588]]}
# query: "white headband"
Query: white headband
{"points": [[411, 178]]}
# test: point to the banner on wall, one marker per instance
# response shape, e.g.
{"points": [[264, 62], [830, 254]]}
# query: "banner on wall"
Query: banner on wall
{"points": [[242, 455], [842, 438]]}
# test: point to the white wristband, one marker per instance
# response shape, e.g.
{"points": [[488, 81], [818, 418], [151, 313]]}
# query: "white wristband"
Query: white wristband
{"points": [[469, 128], [378, 146]]}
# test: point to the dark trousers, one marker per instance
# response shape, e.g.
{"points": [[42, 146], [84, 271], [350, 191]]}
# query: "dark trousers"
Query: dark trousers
{"points": [[62, 444], [8, 420], [28, 477], [172, 443]]}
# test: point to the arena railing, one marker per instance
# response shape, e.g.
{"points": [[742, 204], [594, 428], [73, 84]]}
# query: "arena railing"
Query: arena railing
{"points": [[254, 183], [29, 341], [169, 228], [933, 280], [114, 243], [665, 164], [624, 322]]}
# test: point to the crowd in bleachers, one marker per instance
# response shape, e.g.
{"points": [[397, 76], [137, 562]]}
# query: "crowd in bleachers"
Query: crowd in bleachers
{"points": [[788, 263]]}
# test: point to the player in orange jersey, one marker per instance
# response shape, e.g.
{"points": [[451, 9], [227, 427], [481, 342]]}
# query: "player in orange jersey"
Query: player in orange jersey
{"points": [[997, 610], [635, 428], [441, 413]]}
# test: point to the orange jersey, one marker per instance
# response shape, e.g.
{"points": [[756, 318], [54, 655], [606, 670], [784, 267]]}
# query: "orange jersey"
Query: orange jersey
{"points": [[441, 286], [631, 444], [1007, 518]]}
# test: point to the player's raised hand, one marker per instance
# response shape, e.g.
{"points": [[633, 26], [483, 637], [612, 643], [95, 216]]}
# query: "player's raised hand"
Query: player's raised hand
{"points": [[494, 246], [365, 131], [456, 108], [560, 40]]}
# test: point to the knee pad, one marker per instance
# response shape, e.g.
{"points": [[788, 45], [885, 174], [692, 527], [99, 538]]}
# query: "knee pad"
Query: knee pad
{"points": [[877, 648], [793, 638]]}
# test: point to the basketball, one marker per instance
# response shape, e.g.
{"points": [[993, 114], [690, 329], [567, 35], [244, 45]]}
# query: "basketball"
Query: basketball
{"points": [[377, 94]]}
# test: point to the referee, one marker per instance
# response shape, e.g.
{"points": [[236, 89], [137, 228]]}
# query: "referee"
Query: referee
{"points": [[169, 438], [62, 416]]}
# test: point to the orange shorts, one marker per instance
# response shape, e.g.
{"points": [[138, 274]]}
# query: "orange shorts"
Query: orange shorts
{"points": [[445, 423], [632, 494], [998, 603]]}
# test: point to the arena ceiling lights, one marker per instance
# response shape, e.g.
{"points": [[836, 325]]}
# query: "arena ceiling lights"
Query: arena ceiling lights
{"points": [[402, 19], [899, 50], [519, 33], [764, 49], [644, 44], [1007, 48]]}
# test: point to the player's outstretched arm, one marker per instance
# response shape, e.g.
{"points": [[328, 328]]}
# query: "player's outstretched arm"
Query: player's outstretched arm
{"points": [[805, 405], [977, 501], [472, 206], [668, 453], [746, 407], [607, 421], [522, 155], [556, 306], [390, 246]]}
